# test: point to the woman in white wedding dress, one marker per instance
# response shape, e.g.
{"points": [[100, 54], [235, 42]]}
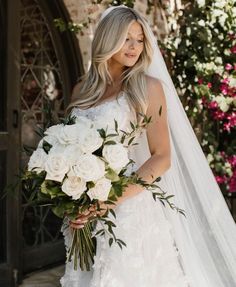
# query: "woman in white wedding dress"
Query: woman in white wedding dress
{"points": [[164, 249]]}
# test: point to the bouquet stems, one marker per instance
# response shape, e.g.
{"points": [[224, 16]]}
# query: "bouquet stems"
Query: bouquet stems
{"points": [[82, 248]]}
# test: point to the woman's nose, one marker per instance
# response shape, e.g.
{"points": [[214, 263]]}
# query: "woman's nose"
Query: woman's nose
{"points": [[132, 44]]}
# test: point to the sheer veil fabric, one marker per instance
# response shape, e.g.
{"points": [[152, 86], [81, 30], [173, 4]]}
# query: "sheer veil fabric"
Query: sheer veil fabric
{"points": [[206, 238]]}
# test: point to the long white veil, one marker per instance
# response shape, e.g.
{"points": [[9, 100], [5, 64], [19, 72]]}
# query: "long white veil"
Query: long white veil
{"points": [[206, 238]]}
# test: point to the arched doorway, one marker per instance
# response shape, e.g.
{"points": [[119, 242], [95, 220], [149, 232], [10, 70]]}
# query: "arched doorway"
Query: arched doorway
{"points": [[47, 78], [41, 66]]}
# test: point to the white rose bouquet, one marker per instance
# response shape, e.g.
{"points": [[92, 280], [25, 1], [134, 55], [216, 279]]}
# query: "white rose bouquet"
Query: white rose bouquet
{"points": [[77, 166]]}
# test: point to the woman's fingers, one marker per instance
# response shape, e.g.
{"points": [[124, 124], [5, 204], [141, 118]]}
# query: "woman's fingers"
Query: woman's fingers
{"points": [[78, 223]]}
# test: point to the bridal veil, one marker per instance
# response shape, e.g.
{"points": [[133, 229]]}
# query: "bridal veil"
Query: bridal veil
{"points": [[206, 238]]}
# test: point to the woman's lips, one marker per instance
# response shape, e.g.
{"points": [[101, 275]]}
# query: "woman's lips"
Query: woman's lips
{"points": [[129, 55]]}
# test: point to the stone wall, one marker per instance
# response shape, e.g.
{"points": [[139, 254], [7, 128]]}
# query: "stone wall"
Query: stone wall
{"points": [[83, 11]]}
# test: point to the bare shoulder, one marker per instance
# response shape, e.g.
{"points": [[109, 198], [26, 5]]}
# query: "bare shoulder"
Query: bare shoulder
{"points": [[155, 91]]}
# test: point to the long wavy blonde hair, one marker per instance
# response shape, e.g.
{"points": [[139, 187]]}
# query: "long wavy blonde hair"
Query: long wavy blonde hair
{"points": [[109, 38]]}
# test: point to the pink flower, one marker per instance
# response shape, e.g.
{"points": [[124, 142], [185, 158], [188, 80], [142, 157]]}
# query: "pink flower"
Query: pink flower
{"points": [[200, 81], [218, 115], [232, 183], [213, 105], [221, 179], [231, 122], [232, 36], [233, 49], [209, 85], [228, 67], [224, 89], [225, 81], [232, 161]]}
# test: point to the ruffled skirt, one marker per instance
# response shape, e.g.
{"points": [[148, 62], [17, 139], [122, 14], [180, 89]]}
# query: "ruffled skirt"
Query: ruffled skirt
{"points": [[150, 259]]}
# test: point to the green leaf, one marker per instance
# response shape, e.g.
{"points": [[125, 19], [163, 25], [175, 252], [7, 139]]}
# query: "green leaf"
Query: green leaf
{"points": [[131, 140], [52, 189], [118, 190], [112, 212], [110, 143], [112, 175], [111, 241], [116, 126], [46, 146], [102, 133], [132, 126]]}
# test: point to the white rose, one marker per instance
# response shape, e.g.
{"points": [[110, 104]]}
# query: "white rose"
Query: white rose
{"points": [[57, 149], [49, 139], [74, 186], [37, 160], [116, 156], [90, 140], [68, 134], [89, 167], [72, 153], [101, 189], [56, 166], [54, 130]]}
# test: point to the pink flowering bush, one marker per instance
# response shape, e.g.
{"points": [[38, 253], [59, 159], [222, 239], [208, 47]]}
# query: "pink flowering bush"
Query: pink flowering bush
{"points": [[203, 66]]}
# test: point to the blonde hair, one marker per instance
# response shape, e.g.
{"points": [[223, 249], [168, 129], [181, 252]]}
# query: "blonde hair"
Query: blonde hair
{"points": [[108, 39]]}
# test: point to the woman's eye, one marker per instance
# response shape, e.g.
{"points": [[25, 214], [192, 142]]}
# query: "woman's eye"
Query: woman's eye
{"points": [[140, 41], [127, 39]]}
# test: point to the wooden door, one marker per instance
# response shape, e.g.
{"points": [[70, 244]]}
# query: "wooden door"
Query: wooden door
{"points": [[38, 68], [10, 228]]}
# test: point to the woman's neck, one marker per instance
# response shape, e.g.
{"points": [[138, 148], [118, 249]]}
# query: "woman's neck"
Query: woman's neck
{"points": [[116, 72]]}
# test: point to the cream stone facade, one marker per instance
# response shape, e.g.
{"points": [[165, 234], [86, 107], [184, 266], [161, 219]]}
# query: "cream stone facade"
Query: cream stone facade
{"points": [[82, 11]]}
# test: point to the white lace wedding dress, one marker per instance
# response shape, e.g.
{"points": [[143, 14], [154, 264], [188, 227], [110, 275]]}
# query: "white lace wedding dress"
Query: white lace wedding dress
{"points": [[151, 258]]}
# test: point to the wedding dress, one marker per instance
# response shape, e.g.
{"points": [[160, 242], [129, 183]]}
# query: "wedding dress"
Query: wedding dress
{"points": [[151, 258], [164, 249]]}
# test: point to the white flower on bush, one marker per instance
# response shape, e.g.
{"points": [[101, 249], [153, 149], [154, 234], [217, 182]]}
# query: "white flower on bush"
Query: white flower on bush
{"points": [[232, 82], [116, 156], [201, 3], [37, 160], [74, 186], [68, 134], [56, 166], [89, 167], [210, 158], [90, 140], [220, 4], [223, 102], [101, 189], [72, 153], [201, 23]]}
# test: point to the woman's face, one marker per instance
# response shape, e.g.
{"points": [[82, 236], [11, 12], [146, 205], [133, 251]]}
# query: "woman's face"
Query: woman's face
{"points": [[132, 48]]}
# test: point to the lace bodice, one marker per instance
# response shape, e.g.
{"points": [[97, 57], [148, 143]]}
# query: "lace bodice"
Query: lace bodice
{"points": [[105, 113]]}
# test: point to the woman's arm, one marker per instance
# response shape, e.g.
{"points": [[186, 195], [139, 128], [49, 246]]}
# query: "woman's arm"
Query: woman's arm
{"points": [[158, 139], [159, 145]]}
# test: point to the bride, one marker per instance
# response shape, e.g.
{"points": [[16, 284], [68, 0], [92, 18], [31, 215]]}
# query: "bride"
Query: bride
{"points": [[164, 249]]}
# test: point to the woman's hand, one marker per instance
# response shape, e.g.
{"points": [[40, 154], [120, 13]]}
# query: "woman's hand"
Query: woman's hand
{"points": [[89, 214]]}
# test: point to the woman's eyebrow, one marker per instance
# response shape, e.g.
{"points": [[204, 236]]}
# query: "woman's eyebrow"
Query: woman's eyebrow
{"points": [[140, 34]]}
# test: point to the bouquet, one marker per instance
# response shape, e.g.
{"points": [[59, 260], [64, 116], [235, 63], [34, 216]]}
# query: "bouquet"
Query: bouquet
{"points": [[77, 166]]}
